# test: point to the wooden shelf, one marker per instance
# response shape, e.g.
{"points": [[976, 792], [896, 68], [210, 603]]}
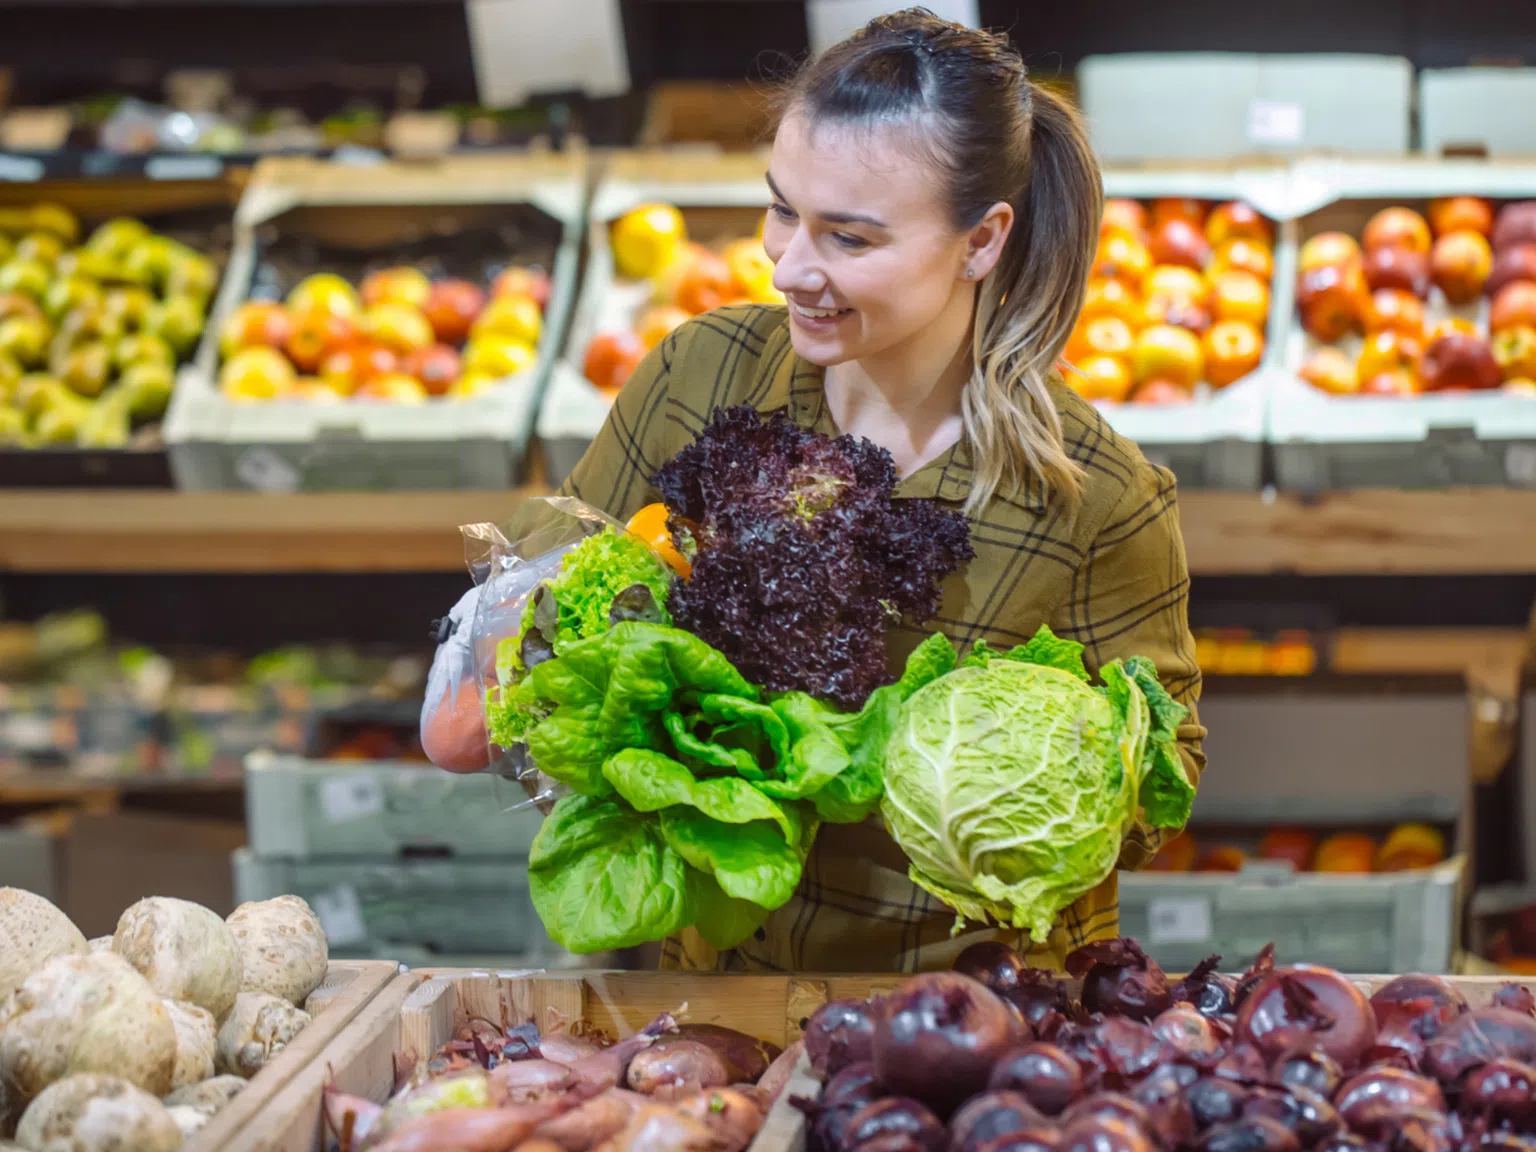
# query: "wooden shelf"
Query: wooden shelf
{"points": [[1464, 531]]}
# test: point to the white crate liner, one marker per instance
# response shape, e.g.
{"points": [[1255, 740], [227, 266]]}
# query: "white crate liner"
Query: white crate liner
{"points": [[294, 445]]}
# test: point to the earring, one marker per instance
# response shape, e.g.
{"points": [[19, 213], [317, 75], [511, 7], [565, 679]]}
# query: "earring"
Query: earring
{"points": [[970, 273]]}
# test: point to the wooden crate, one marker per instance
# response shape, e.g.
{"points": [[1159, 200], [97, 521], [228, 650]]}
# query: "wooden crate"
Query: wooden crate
{"points": [[420, 1010], [348, 987]]}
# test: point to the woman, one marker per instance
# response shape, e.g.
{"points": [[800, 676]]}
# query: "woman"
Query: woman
{"points": [[933, 222]]}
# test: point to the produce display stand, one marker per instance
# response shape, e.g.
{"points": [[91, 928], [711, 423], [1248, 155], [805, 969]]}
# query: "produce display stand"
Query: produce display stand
{"points": [[196, 209], [348, 988], [1322, 442], [367, 211], [420, 1010], [1217, 441], [720, 195]]}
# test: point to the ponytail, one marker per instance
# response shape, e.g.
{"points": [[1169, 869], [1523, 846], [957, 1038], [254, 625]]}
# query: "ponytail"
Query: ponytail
{"points": [[1026, 309]]}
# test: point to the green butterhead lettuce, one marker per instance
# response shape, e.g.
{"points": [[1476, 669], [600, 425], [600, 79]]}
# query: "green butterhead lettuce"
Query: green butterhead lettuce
{"points": [[702, 786], [1010, 782]]}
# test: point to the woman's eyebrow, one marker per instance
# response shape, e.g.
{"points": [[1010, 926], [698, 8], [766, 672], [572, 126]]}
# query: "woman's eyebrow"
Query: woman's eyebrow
{"points": [[830, 217]]}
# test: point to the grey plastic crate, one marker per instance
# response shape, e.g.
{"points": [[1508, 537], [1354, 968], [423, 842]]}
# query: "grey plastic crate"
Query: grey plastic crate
{"points": [[446, 906], [1402, 922], [301, 809]]}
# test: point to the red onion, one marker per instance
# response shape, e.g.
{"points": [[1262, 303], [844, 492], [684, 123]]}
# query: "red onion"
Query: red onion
{"points": [[1309, 1003], [1110, 1106], [1503, 1090], [1477, 1037], [1313, 1069], [990, 1115], [1043, 1073], [1304, 1112], [839, 1034], [1251, 1134], [1185, 1030], [1375, 1096], [1446, 1001], [1120, 979], [993, 963], [896, 1116], [1263, 965], [1215, 1100], [1206, 990], [1169, 1115], [1101, 1134], [1034, 1140], [1515, 997], [937, 1037], [1041, 998]]}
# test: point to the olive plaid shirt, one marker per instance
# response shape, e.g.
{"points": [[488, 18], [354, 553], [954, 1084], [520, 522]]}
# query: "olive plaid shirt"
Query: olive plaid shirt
{"points": [[1112, 577]]}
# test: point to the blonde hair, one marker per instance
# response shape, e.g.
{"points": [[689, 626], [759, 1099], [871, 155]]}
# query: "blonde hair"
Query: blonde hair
{"points": [[997, 137]]}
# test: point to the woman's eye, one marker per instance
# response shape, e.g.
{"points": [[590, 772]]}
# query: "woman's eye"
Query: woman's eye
{"points": [[783, 212], [849, 241]]}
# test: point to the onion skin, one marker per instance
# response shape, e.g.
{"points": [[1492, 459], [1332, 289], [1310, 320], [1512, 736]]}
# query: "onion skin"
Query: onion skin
{"points": [[1277, 1013], [938, 1036], [1447, 1002], [1378, 1095], [1183, 1028], [1313, 1070], [1515, 997], [1034, 1140], [1119, 979], [839, 1034], [1047, 1076], [1304, 1112], [1215, 1100], [1162, 1094], [1099, 1134], [1108, 1106]]}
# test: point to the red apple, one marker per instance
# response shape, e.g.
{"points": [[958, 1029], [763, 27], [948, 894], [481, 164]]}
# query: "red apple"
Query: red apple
{"points": [[1516, 225], [315, 335], [1178, 208], [1395, 311], [1328, 248], [1161, 391], [1397, 267], [1397, 383], [1330, 370], [1180, 242], [1460, 263], [611, 358], [1397, 227], [519, 281], [1517, 262], [452, 307], [1458, 363], [1237, 219], [1515, 305], [1332, 300], [1179, 312], [436, 366], [1461, 214]]}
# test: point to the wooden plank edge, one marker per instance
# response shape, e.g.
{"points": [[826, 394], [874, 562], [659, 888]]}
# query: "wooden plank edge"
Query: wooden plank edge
{"points": [[368, 979], [783, 1129]]}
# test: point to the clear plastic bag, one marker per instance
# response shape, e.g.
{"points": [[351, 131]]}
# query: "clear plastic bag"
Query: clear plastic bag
{"points": [[508, 568]]}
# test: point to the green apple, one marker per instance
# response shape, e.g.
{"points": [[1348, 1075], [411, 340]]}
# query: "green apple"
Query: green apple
{"points": [[142, 348], [130, 305], [57, 220], [65, 296], [148, 389], [13, 426], [85, 368], [106, 425], [36, 392], [114, 238], [178, 321], [25, 339], [44, 247], [25, 276], [62, 421], [194, 275]]}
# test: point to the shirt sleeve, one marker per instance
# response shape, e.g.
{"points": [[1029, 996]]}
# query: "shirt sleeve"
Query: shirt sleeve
{"points": [[614, 474], [1131, 598]]}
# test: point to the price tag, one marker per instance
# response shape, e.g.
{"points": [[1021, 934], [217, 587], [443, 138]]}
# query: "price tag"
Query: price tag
{"points": [[340, 915], [266, 471], [1179, 921], [183, 167], [1274, 122], [20, 169], [353, 796]]}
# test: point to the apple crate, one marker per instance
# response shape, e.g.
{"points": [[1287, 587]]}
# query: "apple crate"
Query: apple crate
{"points": [[464, 215], [349, 986], [721, 197], [1330, 753], [369, 904], [1323, 442], [301, 809], [1218, 440], [196, 211]]}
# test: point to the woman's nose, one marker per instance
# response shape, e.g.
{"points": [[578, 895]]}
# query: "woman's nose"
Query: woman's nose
{"points": [[796, 268]]}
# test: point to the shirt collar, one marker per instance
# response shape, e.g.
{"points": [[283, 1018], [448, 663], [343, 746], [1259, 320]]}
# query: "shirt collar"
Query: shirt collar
{"points": [[796, 385]]}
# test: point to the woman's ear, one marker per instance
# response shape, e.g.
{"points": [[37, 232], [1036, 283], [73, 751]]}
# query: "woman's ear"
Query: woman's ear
{"points": [[985, 246]]}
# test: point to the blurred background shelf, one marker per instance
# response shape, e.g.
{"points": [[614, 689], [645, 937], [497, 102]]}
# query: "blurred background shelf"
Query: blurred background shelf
{"points": [[1226, 533]]}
